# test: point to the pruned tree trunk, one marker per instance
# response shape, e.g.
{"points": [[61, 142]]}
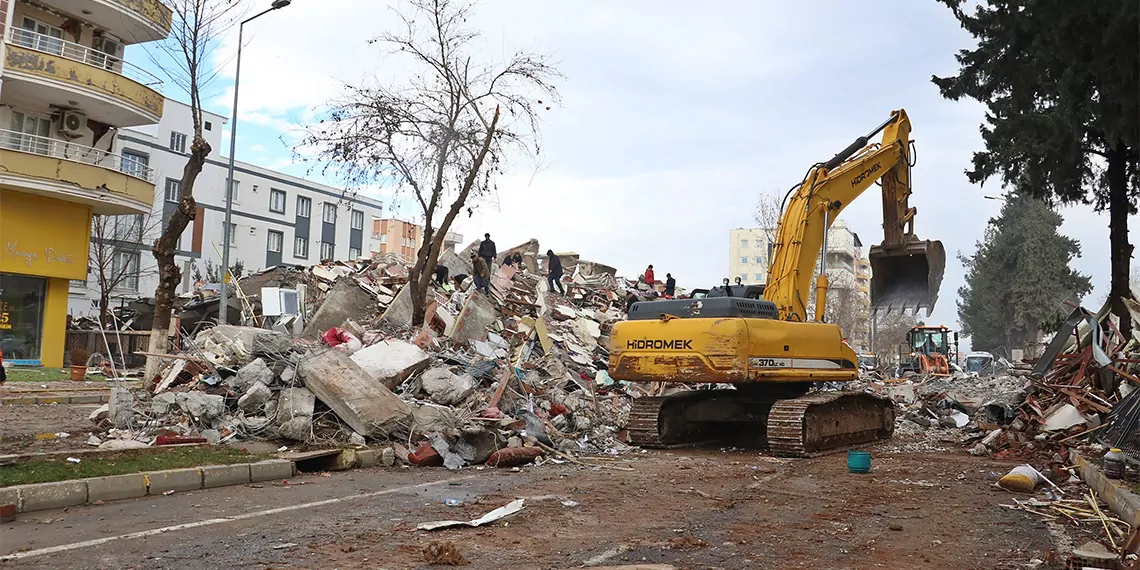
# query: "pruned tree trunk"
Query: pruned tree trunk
{"points": [[1118, 209], [421, 275], [169, 276]]}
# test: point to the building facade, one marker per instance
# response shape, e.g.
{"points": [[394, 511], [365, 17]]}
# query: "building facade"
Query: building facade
{"points": [[66, 94], [848, 272], [276, 218], [392, 236]]}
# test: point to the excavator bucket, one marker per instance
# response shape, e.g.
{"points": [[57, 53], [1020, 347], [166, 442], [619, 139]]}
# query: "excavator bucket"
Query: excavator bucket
{"points": [[906, 277]]}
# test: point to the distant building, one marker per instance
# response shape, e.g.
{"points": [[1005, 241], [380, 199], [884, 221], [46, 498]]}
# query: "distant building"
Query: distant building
{"points": [[390, 235]]}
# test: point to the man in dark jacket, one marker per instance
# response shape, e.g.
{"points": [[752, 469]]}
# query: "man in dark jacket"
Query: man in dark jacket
{"points": [[670, 285], [554, 272], [487, 251]]}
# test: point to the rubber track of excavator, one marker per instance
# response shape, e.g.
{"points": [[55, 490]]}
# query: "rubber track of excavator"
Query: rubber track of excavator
{"points": [[786, 423], [642, 423]]}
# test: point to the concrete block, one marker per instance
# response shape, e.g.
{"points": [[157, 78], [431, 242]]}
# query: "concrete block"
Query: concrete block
{"points": [[445, 387], [116, 487], [10, 496], [346, 300], [295, 403], [399, 311], [174, 480], [346, 459], [41, 496], [358, 399], [366, 457], [254, 339], [223, 475], [391, 361], [477, 315], [90, 399], [271, 470]]}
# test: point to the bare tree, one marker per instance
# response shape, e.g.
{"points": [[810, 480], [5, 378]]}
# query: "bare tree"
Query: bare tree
{"points": [[185, 56], [116, 261], [443, 136]]}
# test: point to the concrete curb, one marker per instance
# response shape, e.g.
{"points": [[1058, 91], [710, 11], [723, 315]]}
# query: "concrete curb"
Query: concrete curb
{"points": [[42, 496], [33, 400], [1120, 499]]}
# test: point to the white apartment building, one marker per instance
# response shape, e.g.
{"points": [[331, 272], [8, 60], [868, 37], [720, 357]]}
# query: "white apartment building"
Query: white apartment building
{"points": [[275, 218], [750, 249]]}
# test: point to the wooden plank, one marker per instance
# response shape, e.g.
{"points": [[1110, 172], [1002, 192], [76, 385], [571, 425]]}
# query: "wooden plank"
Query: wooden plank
{"points": [[1095, 405], [507, 374], [1130, 377]]}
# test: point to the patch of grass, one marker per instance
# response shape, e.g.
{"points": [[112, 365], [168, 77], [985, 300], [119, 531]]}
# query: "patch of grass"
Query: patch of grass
{"points": [[37, 374], [120, 463]]}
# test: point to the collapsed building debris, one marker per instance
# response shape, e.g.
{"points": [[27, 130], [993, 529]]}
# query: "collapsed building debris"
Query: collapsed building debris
{"points": [[508, 377]]}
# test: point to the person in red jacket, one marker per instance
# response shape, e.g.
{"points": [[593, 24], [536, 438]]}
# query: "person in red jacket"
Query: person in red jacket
{"points": [[649, 280]]}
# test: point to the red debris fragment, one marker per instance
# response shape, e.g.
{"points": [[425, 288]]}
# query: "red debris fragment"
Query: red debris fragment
{"points": [[425, 456], [177, 440], [513, 456]]}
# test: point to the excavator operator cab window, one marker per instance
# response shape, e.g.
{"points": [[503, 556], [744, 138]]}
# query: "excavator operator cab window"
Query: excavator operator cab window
{"points": [[929, 341]]}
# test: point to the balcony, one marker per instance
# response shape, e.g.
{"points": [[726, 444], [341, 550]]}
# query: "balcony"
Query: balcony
{"points": [[134, 21], [63, 170], [40, 68]]}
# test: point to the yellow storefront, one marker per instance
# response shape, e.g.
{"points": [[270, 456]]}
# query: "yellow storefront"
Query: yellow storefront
{"points": [[43, 245]]}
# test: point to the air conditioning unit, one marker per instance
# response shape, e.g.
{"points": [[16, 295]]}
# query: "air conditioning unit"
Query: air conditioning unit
{"points": [[72, 123]]}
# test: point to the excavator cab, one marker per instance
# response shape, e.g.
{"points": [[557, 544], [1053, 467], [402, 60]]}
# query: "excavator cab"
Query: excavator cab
{"points": [[906, 277], [929, 351]]}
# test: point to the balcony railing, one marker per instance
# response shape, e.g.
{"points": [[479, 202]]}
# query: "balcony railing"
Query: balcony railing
{"points": [[83, 54], [66, 150]]}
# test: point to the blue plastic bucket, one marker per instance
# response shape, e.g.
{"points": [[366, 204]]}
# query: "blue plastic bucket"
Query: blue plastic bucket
{"points": [[859, 461]]}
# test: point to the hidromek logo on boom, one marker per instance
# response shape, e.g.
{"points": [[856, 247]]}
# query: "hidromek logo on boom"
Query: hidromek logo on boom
{"points": [[674, 344]]}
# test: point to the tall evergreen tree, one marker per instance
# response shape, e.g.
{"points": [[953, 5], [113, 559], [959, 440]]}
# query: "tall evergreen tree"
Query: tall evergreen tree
{"points": [[1019, 278], [1061, 83]]}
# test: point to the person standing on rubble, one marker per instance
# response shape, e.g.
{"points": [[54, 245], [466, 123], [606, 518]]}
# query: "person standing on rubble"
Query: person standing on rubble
{"points": [[441, 272], [554, 272], [482, 273], [649, 277], [670, 285], [487, 251]]}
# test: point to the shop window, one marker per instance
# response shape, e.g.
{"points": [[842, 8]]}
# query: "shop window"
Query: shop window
{"points": [[21, 317]]}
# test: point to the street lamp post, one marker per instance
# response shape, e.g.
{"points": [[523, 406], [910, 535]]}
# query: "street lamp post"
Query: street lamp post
{"points": [[226, 231]]}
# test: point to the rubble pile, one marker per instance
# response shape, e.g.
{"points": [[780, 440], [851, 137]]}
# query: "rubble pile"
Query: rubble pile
{"points": [[519, 369]]}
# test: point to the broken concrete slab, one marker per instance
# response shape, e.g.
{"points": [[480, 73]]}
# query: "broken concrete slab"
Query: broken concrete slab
{"points": [[399, 311], [477, 315], [295, 403], [427, 418], [392, 361], [161, 404], [298, 429], [367, 406], [256, 371], [200, 406], [255, 397], [255, 340], [445, 387], [346, 300]]}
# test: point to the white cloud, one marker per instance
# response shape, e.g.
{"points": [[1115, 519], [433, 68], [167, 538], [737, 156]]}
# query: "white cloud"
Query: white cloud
{"points": [[258, 148], [674, 118]]}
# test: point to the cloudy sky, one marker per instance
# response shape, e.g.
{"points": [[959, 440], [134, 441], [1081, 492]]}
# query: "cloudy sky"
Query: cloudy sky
{"points": [[675, 118]]}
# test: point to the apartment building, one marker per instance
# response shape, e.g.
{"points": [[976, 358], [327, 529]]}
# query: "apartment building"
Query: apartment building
{"points": [[66, 94], [390, 235], [276, 218], [750, 251]]}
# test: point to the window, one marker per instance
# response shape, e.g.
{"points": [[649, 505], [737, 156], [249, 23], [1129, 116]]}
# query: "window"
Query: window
{"points": [[128, 228], [276, 239], [759, 277], [126, 264], [134, 163], [40, 36], [744, 277], [230, 235], [353, 252], [760, 243], [301, 247], [177, 142], [357, 220], [329, 212], [303, 206], [277, 200], [326, 251], [235, 190], [173, 190], [744, 260], [34, 137], [209, 126], [743, 243], [759, 260], [383, 238]]}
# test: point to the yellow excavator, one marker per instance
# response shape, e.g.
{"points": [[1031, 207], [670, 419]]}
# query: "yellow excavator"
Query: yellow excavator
{"points": [[764, 343]]}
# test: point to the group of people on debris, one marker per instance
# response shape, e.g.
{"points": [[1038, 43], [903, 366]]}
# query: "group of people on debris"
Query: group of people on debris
{"points": [[483, 262], [651, 280]]}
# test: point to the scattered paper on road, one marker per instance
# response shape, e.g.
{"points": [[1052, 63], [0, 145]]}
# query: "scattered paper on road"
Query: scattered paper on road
{"points": [[503, 511]]}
